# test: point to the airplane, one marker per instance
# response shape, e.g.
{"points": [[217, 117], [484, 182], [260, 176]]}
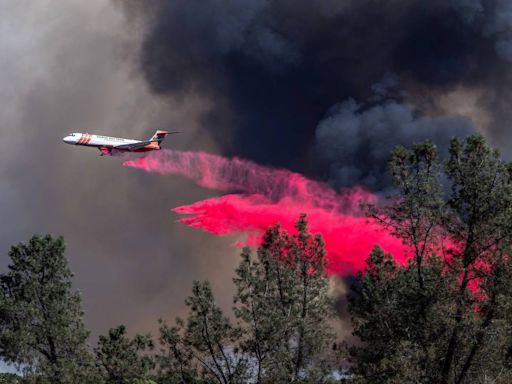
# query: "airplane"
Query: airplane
{"points": [[114, 145]]}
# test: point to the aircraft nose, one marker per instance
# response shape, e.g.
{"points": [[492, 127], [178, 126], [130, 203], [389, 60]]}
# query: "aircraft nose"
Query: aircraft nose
{"points": [[68, 140]]}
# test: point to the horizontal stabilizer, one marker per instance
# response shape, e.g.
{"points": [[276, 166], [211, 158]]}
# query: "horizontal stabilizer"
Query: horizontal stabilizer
{"points": [[160, 135]]}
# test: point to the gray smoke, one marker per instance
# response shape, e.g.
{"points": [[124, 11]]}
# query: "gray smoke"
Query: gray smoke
{"points": [[354, 140], [70, 66]]}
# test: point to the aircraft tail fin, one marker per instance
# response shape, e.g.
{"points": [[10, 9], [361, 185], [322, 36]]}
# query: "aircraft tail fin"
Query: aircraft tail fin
{"points": [[159, 136]]}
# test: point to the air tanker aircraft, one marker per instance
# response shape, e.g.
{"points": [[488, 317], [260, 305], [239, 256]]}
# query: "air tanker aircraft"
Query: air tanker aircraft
{"points": [[113, 145]]}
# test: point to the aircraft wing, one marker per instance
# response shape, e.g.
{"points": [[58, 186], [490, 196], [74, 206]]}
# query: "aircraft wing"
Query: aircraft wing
{"points": [[130, 147]]}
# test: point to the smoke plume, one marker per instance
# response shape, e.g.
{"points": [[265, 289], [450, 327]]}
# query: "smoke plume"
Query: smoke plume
{"points": [[354, 142], [286, 74]]}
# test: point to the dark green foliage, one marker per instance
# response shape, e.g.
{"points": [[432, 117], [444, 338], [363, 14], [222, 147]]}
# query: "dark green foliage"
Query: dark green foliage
{"points": [[400, 328], [204, 349], [123, 360], [10, 378], [212, 337], [283, 307], [415, 215], [440, 319], [176, 362], [41, 327], [282, 334]]}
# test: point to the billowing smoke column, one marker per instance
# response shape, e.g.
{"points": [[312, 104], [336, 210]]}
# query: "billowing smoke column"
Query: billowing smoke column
{"points": [[261, 197], [305, 85]]}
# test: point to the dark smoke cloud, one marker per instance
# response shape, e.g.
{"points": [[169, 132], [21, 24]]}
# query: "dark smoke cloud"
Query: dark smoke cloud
{"points": [[278, 67], [355, 143], [354, 140]]}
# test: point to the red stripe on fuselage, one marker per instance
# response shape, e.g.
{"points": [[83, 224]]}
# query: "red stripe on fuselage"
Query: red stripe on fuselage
{"points": [[84, 139]]}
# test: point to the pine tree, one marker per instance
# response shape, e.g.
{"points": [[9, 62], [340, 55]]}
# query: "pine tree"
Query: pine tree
{"points": [[176, 361], [284, 309], [41, 326], [123, 360], [202, 350], [399, 328], [440, 318]]}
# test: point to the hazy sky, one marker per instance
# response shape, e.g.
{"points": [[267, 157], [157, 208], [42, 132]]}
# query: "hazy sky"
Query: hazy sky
{"points": [[323, 87], [69, 66]]}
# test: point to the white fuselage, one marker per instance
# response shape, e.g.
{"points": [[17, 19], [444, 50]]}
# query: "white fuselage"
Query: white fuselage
{"points": [[97, 140]]}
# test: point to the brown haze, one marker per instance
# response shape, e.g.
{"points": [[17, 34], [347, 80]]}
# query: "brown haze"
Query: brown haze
{"points": [[67, 66]]}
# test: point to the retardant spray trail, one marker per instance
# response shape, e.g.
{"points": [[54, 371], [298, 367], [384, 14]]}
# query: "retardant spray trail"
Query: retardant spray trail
{"points": [[261, 196]]}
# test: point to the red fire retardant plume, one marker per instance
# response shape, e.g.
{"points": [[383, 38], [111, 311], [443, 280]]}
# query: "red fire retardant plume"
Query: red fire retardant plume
{"points": [[260, 197]]}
